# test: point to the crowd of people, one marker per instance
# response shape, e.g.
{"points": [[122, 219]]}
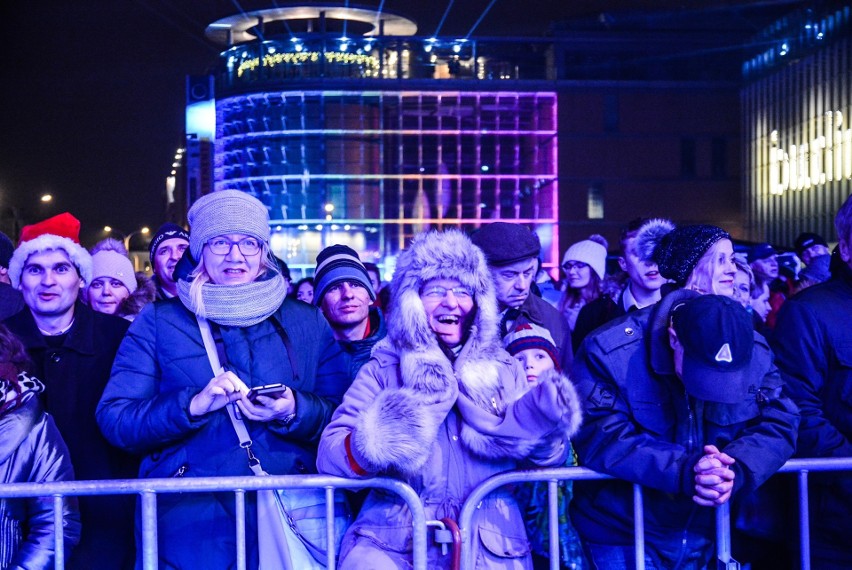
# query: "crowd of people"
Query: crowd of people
{"points": [[688, 367]]}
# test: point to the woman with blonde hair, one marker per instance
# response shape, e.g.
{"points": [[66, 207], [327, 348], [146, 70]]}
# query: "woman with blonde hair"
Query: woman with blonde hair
{"points": [[695, 257]]}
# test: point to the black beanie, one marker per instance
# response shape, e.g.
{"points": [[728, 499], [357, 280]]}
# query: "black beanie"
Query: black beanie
{"points": [[676, 250], [166, 231]]}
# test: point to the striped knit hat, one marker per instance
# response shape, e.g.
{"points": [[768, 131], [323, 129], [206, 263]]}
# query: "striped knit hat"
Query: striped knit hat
{"points": [[339, 263], [526, 336]]}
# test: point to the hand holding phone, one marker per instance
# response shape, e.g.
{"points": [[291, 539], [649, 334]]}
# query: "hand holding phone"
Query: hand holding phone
{"points": [[270, 390]]}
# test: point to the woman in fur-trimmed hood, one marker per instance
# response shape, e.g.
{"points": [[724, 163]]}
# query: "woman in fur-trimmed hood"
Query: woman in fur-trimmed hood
{"points": [[443, 407]]}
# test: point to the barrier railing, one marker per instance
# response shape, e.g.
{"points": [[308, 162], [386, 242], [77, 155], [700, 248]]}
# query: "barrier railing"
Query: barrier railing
{"points": [[723, 532], [148, 489]]}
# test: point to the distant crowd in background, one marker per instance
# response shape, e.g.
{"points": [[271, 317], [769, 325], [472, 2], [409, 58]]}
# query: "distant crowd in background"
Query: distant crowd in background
{"points": [[685, 363]]}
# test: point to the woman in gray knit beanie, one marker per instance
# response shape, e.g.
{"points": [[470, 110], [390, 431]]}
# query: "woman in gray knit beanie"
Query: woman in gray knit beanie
{"points": [[167, 400]]}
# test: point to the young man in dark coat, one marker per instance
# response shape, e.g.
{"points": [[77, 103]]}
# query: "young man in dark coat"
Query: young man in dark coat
{"points": [[813, 348], [512, 251], [641, 290], [72, 349], [683, 399], [344, 293]]}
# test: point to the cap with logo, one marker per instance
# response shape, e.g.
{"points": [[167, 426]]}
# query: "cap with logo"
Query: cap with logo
{"points": [[717, 336]]}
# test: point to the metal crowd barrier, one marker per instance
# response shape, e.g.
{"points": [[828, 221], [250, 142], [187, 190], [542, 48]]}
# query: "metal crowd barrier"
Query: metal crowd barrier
{"points": [[148, 489], [723, 527]]}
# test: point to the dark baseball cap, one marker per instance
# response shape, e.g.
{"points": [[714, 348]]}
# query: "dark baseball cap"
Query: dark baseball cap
{"points": [[717, 336], [806, 240], [761, 251]]}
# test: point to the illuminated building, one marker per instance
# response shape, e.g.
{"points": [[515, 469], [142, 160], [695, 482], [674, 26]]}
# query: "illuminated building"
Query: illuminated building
{"points": [[797, 107], [371, 135]]}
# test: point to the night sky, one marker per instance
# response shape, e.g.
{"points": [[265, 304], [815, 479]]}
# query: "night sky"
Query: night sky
{"points": [[92, 91]]}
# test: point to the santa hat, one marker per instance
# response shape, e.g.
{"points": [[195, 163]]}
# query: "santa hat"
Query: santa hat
{"points": [[59, 232]]}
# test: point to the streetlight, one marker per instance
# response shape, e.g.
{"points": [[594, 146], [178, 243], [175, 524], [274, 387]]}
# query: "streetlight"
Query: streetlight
{"points": [[46, 198], [145, 230]]}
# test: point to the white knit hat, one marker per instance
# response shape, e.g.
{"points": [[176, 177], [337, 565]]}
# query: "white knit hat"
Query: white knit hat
{"points": [[111, 264], [589, 252], [59, 232]]}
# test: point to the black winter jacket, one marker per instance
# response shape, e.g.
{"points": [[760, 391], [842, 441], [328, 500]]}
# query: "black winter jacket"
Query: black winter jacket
{"points": [[813, 344], [642, 427]]}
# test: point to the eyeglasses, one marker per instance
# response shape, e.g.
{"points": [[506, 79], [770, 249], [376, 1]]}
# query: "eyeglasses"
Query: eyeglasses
{"points": [[222, 246], [569, 265], [438, 292]]}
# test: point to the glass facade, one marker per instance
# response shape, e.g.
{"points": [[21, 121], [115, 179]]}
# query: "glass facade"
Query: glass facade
{"points": [[374, 168]]}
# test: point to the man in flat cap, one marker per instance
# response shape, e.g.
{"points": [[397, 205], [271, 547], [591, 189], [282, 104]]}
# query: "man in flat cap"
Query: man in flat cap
{"points": [[682, 398], [512, 251]]}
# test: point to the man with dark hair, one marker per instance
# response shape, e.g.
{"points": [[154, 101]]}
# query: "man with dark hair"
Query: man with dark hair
{"points": [[344, 293], [641, 290], [11, 300], [512, 251], [165, 250], [683, 399], [813, 348], [72, 349]]}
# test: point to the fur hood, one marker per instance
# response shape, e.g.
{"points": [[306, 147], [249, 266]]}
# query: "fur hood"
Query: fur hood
{"points": [[444, 255]]}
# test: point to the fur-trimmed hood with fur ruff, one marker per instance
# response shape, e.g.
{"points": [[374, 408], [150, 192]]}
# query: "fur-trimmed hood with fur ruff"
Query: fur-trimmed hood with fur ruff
{"points": [[444, 255], [501, 416]]}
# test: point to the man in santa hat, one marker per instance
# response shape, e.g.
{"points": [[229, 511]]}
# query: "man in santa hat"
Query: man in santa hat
{"points": [[72, 349]]}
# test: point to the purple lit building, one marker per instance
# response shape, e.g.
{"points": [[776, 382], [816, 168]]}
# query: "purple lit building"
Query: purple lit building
{"points": [[353, 130]]}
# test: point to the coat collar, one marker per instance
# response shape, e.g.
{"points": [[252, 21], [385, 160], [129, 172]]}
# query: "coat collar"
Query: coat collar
{"points": [[80, 337]]}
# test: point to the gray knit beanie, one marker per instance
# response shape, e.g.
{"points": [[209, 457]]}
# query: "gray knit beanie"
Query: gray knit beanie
{"points": [[226, 212]]}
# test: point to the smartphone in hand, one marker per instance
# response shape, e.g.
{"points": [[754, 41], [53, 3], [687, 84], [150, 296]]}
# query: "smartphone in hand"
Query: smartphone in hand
{"points": [[271, 390]]}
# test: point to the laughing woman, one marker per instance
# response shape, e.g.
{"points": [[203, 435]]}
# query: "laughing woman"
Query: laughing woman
{"points": [[164, 400], [443, 407]]}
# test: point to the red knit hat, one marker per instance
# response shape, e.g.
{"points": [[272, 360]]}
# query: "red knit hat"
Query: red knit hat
{"points": [[59, 232]]}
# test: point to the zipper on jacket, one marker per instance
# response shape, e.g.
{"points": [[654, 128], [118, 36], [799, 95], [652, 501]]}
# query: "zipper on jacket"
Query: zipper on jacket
{"points": [[181, 470], [690, 439]]}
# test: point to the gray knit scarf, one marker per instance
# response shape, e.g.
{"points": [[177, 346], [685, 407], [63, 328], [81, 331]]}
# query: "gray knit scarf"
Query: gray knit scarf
{"points": [[237, 305]]}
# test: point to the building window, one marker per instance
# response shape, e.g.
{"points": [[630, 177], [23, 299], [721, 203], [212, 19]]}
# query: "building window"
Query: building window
{"points": [[595, 203]]}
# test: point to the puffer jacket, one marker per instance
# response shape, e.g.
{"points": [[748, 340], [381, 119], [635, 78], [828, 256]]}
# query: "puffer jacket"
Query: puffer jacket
{"points": [[642, 427], [443, 423], [32, 451], [159, 368], [813, 344]]}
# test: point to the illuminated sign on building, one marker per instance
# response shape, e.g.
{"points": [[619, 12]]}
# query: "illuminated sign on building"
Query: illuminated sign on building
{"points": [[811, 163], [291, 58]]}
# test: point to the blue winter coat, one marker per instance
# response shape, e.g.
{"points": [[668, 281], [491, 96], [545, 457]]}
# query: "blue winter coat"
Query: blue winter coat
{"points": [[162, 364], [642, 427]]}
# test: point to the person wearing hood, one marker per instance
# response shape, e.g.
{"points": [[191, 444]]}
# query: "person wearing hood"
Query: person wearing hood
{"points": [[165, 402], [442, 406], [31, 451], [682, 398]]}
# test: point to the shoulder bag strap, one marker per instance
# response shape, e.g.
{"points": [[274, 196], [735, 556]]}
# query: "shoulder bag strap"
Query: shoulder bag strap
{"points": [[216, 354]]}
